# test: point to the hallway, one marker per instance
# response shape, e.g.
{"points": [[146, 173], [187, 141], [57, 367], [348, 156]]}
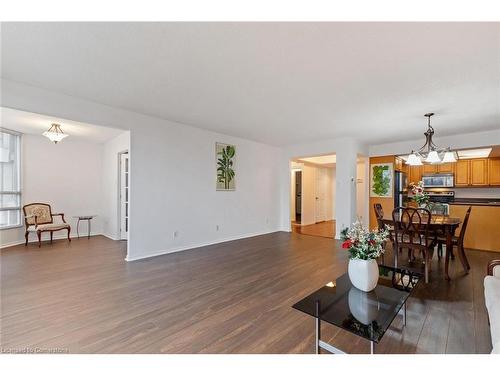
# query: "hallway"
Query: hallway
{"points": [[322, 229]]}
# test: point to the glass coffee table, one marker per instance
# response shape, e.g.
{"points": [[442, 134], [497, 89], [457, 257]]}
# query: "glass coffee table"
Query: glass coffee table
{"points": [[368, 315]]}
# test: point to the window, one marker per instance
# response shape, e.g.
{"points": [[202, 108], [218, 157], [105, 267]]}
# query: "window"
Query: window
{"points": [[10, 179]]}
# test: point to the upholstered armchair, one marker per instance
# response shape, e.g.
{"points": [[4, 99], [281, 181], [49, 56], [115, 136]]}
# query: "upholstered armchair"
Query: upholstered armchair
{"points": [[38, 218]]}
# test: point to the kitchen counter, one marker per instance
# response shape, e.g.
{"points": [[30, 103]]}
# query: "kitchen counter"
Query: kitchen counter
{"points": [[476, 201]]}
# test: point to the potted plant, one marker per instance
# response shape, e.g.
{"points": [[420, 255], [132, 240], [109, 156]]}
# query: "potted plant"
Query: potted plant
{"points": [[420, 197], [364, 248]]}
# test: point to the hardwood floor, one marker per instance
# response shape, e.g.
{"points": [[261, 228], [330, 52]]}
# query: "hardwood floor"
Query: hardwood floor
{"points": [[322, 229], [235, 297]]}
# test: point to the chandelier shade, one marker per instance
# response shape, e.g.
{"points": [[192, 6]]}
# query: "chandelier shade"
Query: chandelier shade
{"points": [[449, 157], [413, 159], [429, 152], [55, 133]]}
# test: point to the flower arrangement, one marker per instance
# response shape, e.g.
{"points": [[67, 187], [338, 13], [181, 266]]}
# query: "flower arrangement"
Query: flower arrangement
{"points": [[361, 243], [419, 196]]}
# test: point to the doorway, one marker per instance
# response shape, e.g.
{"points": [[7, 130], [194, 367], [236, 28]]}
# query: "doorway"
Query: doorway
{"points": [[298, 197], [123, 188], [312, 195]]}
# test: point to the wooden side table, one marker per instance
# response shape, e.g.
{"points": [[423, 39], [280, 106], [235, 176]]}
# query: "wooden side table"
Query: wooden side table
{"points": [[88, 218]]}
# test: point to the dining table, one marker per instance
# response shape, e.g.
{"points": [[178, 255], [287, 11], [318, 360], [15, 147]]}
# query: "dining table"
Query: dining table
{"points": [[444, 225]]}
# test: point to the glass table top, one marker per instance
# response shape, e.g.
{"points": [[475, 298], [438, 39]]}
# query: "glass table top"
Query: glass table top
{"points": [[367, 315]]}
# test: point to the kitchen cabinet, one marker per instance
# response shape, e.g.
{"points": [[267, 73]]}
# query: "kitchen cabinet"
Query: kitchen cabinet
{"points": [[479, 172], [446, 168], [472, 172], [494, 171], [415, 173], [429, 169], [398, 164], [462, 173]]}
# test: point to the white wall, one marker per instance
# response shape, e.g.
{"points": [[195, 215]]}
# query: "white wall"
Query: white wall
{"points": [[172, 184], [66, 175], [362, 199], [330, 194], [110, 193]]}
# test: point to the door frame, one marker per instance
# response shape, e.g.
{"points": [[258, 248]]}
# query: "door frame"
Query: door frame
{"points": [[119, 200]]}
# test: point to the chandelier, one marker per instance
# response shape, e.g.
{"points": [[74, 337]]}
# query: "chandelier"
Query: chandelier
{"points": [[55, 133], [429, 152]]}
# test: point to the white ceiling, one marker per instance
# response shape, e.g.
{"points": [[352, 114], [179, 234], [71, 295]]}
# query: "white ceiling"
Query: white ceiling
{"points": [[322, 160], [33, 123], [278, 83]]}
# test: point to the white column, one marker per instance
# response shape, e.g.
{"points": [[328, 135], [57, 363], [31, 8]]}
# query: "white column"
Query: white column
{"points": [[345, 205]]}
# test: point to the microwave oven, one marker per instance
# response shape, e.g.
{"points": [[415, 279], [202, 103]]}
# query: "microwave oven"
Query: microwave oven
{"points": [[444, 180]]}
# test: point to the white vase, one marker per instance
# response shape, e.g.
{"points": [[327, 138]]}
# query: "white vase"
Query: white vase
{"points": [[363, 274]]}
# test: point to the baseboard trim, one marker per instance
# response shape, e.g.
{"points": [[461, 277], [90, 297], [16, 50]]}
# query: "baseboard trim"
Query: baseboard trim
{"points": [[32, 238], [110, 237], [195, 246]]}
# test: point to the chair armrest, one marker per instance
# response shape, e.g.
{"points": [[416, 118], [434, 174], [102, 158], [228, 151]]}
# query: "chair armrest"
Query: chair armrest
{"points": [[492, 264], [29, 217], [60, 214]]}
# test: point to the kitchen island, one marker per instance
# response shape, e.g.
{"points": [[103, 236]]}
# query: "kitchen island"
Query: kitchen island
{"points": [[483, 229]]}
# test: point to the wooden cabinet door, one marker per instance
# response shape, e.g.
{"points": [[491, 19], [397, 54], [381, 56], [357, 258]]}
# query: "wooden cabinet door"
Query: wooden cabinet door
{"points": [[398, 164], [479, 172], [494, 171], [414, 173], [429, 169], [462, 173], [446, 168]]}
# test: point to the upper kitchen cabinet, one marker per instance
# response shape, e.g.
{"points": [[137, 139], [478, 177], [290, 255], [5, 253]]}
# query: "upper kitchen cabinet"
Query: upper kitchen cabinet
{"points": [[399, 164], [494, 171], [429, 169], [462, 173], [472, 172], [415, 173], [446, 168], [438, 168], [479, 172]]}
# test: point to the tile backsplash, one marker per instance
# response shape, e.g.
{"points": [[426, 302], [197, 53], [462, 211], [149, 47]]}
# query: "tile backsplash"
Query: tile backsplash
{"points": [[477, 192]]}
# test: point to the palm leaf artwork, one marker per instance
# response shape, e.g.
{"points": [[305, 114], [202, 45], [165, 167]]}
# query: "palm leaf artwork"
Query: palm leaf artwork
{"points": [[225, 166]]}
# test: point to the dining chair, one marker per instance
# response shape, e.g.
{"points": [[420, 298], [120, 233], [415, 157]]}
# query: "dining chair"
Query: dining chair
{"points": [[411, 231], [379, 214], [457, 241]]}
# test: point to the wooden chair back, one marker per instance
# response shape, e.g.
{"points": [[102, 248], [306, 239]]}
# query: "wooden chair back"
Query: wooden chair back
{"points": [[379, 214], [464, 226], [411, 227], [42, 212]]}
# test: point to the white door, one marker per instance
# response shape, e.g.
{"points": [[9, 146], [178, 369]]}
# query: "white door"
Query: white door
{"points": [[320, 190], [124, 194]]}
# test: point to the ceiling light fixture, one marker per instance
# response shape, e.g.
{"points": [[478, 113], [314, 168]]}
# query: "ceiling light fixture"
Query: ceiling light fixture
{"points": [[55, 133], [474, 153], [429, 152]]}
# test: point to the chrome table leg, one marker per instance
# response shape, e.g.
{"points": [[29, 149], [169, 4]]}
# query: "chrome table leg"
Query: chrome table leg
{"points": [[318, 328]]}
